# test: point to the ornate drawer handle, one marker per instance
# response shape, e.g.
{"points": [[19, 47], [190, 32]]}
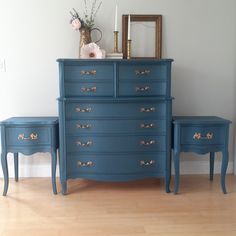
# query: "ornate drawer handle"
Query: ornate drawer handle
{"points": [[86, 144], [147, 163], [31, 137], [151, 109], [147, 126], [88, 72], [147, 143], [85, 164], [78, 109], [142, 89], [87, 126], [199, 136], [93, 89], [142, 72]]}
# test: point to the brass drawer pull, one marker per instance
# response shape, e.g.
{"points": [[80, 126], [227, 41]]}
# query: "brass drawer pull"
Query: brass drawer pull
{"points": [[78, 109], [88, 72], [143, 89], [147, 126], [142, 72], [199, 136], [85, 164], [86, 144], [147, 163], [93, 89], [87, 126], [147, 143], [151, 109], [33, 136]]}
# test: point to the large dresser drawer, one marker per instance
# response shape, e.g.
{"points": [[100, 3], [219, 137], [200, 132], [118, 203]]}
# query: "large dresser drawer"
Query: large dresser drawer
{"points": [[110, 144], [96, 164], [142, 89], [89, 89], [89, 71], [147, 126], [124, 110]]}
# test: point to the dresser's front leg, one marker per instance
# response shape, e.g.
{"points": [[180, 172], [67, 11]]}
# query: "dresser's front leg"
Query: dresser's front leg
{"points": [[64, 187], [16, 166], [212, 160], [5, 172], [224, 165], [176, 164]]}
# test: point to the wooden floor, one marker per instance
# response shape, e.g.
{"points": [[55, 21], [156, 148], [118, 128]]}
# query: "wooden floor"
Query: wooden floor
{"points": [[119, 209]]}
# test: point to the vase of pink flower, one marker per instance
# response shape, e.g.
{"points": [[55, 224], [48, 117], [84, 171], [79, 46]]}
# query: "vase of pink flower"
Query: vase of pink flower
{"points": [[85, 25]]}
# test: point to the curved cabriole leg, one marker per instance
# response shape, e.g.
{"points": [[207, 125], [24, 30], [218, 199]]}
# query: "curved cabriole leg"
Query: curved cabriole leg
{"points": [[64, 187], [5, 172], [176, 164], [212, 160], [225, 159], [54, 165], [16, 166]]}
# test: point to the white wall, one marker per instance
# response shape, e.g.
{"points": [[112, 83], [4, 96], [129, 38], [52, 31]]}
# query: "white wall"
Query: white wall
{"points": [[199, 35]]}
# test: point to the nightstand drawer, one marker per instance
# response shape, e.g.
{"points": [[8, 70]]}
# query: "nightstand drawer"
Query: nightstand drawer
{"points": [[130, 110], [112, 144], [115, 126], [89, 71], [98, 164], [202, 135], [142, 89], [89, 89], [23, 136]]}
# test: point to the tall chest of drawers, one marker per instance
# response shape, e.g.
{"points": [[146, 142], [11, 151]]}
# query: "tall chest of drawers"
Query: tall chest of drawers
{"points": [[114, 119]]}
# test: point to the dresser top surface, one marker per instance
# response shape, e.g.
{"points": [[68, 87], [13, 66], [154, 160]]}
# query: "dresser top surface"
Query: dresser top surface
{"points": [[31, 121], [199, 120]]}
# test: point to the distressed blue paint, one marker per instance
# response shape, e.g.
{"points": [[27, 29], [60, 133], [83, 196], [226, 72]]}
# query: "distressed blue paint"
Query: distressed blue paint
{"points": [[184, 128], [46, 129], [101, 130]]}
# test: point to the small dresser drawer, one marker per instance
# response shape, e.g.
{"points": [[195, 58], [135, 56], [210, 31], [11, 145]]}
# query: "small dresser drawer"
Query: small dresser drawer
{"points": [[143, 72], [202, 135], [75, 127], [24, 136], [129, 110], [89, 89], [89, 71], [97, 164], [142, 89], [112, 144]]}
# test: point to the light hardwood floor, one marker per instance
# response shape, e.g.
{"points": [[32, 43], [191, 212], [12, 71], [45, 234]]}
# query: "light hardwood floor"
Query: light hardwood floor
{"points": [[119, 209]]}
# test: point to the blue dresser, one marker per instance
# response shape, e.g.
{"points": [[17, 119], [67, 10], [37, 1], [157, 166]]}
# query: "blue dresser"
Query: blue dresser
{"points": [[114, 119]]}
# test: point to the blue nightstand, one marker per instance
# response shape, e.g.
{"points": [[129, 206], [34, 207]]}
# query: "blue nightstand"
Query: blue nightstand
{"points": [[28, 135], [201, 135]]}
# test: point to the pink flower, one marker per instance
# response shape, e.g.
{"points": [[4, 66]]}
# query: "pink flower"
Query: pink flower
{"points": [[91, 51], [76, 24]]}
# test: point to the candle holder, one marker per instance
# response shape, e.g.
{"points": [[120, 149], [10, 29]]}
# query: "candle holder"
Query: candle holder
{"points": [[129, 49], [116, 33]]}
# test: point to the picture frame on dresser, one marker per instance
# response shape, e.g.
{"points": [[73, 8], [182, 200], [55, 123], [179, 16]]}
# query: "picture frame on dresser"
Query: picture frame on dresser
{"points": [[148, 25]]}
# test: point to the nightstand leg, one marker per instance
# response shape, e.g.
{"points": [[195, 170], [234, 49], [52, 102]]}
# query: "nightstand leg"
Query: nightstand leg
{"points": [[64, 187], [16, 166], [212, 160], [54, 166], [5, 172], [176, 164], [225, 159]]}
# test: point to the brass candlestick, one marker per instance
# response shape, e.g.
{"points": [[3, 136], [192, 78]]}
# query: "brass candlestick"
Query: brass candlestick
{"points": [[116, 41], [129, 49]]}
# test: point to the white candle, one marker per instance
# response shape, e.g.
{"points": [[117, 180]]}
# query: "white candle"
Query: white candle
{"points": [[129, 28], [116, 17]]}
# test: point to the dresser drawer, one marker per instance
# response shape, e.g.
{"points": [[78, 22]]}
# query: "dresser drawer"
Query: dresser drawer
{"points": [[142, 89], [89, 89], [24, 136], [147, 126], [127, 164], [143, 72], [199, 135], [89, 71], [117, 144], [128, 110]]}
